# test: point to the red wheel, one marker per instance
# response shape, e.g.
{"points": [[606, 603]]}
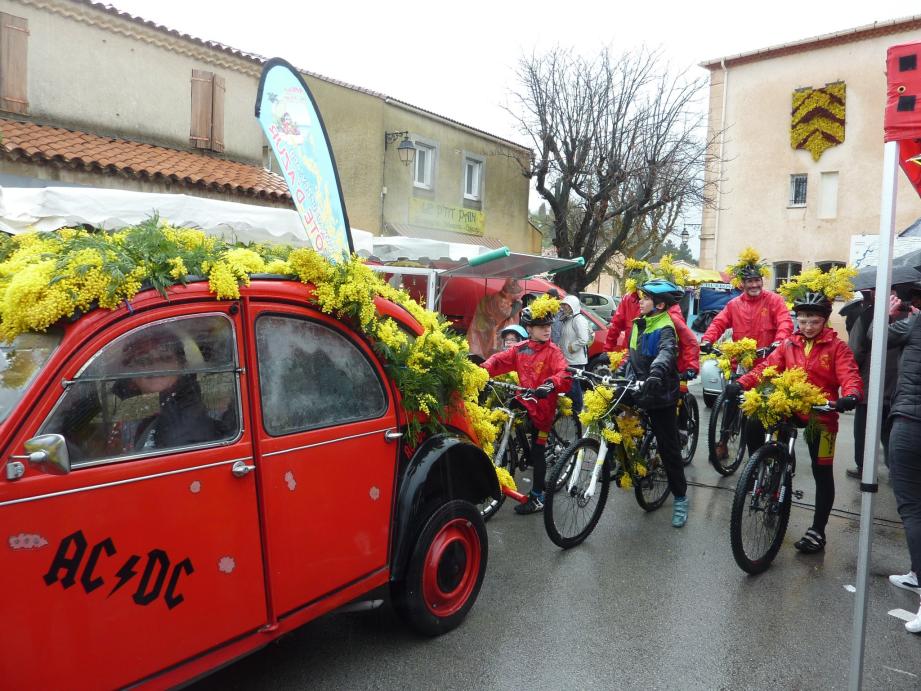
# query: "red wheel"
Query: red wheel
{"points": [[445, 571], [451, 568]]}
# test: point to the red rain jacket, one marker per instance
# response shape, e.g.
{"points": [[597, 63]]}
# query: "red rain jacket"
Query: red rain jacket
{"points": [[535, 363], [764, 318], [622, 322], [830, 365]]}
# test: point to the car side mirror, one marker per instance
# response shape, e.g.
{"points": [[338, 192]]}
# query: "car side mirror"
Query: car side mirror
{"points": [[50, 452]]}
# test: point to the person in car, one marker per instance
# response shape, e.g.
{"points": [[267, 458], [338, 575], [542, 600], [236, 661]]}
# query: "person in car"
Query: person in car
{"points": [[829, 365], [540, 366], [653, 358]]}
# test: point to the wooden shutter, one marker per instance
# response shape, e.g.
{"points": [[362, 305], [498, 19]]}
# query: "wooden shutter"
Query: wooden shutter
{"points": [[217, 114], [202, 86], [14, 48]]}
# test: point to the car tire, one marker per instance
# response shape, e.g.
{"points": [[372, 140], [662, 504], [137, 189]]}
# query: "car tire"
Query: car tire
{"points": [[710, 399], [445, 570]]}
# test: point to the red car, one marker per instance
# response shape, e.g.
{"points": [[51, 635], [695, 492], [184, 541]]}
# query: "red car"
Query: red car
{"points": [[186, 480]]}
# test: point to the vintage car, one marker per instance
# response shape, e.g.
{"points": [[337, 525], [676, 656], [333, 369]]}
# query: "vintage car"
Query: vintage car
{"points": [[282, 487]]}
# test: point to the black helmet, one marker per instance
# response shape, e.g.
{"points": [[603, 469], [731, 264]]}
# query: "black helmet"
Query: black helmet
{"points": [[661, 290], [529, 319], [750, 271], [813, 302]]}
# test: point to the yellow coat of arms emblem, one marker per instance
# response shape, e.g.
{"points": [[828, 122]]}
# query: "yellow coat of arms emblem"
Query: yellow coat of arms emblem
{"points": [[818, 118]]}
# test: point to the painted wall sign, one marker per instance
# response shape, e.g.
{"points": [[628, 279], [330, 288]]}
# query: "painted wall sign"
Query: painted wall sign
{"points": [[443, 217]]}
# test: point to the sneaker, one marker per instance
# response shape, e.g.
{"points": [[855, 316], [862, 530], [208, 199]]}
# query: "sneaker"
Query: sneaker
{"points": [[680, 512], [909, 582], [914, 626], [532, 505], [855, 473], [810, 543]]}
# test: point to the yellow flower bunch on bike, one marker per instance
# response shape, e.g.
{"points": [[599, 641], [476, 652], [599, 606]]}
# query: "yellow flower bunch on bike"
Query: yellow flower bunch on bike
{"points": [[595, 405], [782, 395], [564, 405], [742, 352], [616, 358]]}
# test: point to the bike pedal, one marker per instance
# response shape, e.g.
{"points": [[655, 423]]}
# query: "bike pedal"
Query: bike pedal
{"points": [[798, 493]]}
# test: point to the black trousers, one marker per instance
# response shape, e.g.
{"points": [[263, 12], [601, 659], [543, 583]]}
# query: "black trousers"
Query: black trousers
{"points": [[665, 428], [905, 474], [860, 433]]}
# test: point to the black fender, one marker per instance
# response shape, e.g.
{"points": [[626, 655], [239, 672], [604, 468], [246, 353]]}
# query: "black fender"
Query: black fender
{"points": [[444, 467]]}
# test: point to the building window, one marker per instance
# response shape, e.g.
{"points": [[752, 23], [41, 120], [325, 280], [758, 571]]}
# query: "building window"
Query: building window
{"points": [[14, 49], [825, 267], [828, 195], [784, 271], [424, 166], [798, 190], [473, 178], [207, 131]]}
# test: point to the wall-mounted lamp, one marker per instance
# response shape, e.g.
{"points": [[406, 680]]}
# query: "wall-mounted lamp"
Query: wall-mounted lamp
{"points": [[685, 235], [406, 150]]}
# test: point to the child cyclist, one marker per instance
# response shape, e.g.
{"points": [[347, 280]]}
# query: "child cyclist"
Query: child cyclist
{"points": [[541, 366], [653, 358], [829, 365]]}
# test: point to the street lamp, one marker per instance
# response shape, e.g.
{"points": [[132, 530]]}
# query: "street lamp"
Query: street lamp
{"points": [[406, 150], [685, 235]]}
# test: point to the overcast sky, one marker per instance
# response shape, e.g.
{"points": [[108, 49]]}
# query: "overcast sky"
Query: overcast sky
{"points": [[458, 59]]}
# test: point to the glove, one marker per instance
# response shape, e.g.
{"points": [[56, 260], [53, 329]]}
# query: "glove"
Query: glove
{"points": [[774, 346], [652, 385], [544, 389], [690, 374], [846, 403], [733, 389], [706, 347]]}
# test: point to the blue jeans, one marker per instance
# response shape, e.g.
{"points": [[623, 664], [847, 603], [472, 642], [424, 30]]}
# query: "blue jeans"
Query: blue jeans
{"points": [[575, 392]]}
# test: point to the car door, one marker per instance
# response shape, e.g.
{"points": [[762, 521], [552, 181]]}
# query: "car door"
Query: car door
{"points": [[327, 456], [148, 551]]}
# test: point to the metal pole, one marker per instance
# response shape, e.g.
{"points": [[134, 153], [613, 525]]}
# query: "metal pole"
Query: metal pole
{"points": [[868, 483]]}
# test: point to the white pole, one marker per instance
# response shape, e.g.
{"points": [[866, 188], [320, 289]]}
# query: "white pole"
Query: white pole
{"points": [[868, 483]]}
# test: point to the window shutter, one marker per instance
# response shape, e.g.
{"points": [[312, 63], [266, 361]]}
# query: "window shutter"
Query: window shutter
{"points": [[14, 45], [217, 114], [200, 134]]}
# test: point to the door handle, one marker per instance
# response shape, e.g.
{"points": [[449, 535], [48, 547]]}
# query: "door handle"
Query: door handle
{"points": [[392, 435], [240, 469]]}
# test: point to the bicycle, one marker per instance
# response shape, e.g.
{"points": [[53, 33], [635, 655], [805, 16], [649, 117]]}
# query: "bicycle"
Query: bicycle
{"points": [[513, 447], [763, 495], [688, 420], [726, 432], [577, 490]]}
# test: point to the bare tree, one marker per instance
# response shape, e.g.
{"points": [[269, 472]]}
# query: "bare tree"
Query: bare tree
{"points": [[619, 151]]}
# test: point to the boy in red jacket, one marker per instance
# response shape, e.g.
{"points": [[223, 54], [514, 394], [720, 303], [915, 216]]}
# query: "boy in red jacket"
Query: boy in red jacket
{"points": [[829, 365], [541, 366]]}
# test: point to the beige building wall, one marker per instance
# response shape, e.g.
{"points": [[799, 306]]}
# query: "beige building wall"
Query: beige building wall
{"points": [[758, 159]]}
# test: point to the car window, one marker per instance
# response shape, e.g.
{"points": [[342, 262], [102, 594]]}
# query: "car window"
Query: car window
{"points": [[166, 385], [20, 362], [312, 376], [588, 299]]}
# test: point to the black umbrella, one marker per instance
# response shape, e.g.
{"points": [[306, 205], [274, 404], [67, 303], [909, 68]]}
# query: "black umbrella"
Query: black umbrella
{"points": [[866, 277]]}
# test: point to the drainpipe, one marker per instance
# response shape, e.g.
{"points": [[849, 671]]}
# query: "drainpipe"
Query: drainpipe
{"points": [[719, 183]]}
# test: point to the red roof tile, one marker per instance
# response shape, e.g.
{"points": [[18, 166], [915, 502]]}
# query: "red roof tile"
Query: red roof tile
{"points": [[90, 152]]}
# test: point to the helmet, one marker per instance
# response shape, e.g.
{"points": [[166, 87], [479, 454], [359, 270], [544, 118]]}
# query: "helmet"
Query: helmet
{"points": [[529, 319], [515, 329], [749, 271], [813, 302], [661, 290]]}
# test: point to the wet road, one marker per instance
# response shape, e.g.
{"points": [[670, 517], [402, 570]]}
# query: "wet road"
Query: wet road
{"points": [[639, 604]]}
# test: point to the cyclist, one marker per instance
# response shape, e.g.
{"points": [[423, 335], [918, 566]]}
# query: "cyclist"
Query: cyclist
{"points": [[829, 365], [540, 366], [758, 314], [653, 357], [511, 335]]}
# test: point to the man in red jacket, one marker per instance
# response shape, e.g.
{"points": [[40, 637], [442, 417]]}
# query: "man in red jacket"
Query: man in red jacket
{"points": [[829, 365], [541, 366]]}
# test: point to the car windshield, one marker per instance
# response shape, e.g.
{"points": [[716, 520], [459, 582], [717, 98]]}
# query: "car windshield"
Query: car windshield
{"points": [[21, 361]]}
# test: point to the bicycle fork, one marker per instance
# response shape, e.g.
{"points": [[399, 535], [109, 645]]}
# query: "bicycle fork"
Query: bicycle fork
{"points": [[596, 470]]}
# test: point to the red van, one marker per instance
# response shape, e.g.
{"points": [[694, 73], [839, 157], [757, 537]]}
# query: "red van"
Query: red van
{"points": [[143, 553]]}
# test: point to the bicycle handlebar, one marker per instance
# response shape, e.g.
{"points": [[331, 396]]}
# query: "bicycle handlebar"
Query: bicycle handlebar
{"points": [[525, 393]]}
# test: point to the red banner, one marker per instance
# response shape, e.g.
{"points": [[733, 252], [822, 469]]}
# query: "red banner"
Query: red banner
{"points": [[903, 107]]}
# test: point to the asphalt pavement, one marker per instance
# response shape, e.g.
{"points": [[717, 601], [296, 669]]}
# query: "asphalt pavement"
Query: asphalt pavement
{"points": [[638, 605]]}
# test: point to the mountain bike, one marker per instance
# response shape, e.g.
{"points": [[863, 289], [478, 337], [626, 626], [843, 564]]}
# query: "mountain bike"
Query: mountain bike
{"points": [[513, 446], [688, 421], [761, 507], [726, 431], [577, 489]]}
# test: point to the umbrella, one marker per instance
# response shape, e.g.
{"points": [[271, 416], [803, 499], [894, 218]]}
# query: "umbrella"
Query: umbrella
{"points": [[866, 277]]}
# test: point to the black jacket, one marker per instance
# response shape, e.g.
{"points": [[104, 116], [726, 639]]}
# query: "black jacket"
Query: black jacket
{"points": [[859, 339], [654, 353], [906, 400]]}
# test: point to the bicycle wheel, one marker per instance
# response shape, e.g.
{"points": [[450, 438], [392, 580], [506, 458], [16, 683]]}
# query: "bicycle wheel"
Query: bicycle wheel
{"points": [[726, 438], [565, 431], [570, 514], [489, 507], [651, 491], [760, 510], [690, 429]]}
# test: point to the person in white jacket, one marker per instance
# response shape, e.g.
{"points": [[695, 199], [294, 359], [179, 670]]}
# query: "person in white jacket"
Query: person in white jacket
{"points": [[575, 337]]}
